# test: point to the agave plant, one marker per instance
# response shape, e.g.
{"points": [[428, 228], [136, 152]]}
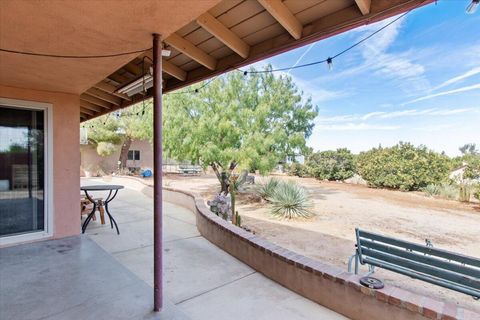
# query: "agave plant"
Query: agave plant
{"points": [[266, 189], [291, 201]]}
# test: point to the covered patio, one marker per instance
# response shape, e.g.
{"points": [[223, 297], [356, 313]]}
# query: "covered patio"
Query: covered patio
{"points": [[73, 61]]}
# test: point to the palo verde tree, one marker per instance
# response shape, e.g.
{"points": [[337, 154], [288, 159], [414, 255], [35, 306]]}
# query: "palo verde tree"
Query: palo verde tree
{"points": [[238, 122], [118, 129]]}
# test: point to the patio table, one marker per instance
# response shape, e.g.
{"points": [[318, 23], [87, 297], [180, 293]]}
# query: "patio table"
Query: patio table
{"points": [[112, 192]]}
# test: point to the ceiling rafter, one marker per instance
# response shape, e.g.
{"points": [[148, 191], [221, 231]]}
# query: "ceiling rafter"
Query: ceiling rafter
{"points": [[169, 67], [284, 16], [104, 96], [190, 50], [91, 106], [87, 111], [364, 6], [222, 33], [96, 101], [109, 88]]}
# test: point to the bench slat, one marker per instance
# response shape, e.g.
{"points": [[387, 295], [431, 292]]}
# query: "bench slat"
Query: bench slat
{"points": [[443, 264], [426, 278], [418, 267], [420, 248]]}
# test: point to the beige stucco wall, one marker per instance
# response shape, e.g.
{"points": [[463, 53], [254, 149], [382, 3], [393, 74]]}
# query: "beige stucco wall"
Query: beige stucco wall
{"points": [[66, 155], [91, 161]]}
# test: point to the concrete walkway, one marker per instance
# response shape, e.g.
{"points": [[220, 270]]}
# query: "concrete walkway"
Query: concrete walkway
{"points": [[201, 280]]}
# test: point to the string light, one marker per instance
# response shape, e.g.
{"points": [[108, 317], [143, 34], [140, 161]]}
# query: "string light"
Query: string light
{"points": [[329, 60]]}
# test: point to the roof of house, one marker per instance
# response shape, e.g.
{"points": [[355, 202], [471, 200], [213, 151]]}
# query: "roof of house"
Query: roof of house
{"points": [[206, 38]]}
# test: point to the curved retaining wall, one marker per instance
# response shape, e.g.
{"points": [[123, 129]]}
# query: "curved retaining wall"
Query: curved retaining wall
{"points": [[327, 285]]}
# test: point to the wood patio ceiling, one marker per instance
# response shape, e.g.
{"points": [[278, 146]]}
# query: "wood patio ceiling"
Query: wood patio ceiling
{"points": [[236, 33]]}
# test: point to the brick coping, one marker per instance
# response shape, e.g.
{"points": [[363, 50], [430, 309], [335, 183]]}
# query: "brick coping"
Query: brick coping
{"points": [[419, 305]]}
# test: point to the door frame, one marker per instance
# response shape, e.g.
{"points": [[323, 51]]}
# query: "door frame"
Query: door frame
{"points": [[48, 231]]}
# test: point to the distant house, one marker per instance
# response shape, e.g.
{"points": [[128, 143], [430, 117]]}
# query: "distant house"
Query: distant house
{"points": [[457, 174], [140, 156]]}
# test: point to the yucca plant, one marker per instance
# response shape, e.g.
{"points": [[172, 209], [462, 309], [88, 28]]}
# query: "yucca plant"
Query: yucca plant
{"points": [[290, 201], [266, 189]]}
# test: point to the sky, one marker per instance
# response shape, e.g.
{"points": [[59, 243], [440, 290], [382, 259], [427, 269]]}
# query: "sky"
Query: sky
{"points": [[416, 81]]}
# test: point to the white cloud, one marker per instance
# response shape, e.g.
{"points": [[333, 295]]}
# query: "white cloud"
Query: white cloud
{"points": [[382, 115], [461, 77], [444, 93]]}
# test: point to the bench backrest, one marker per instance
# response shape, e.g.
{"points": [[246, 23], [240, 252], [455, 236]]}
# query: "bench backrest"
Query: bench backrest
{"points": [[441, 267]]}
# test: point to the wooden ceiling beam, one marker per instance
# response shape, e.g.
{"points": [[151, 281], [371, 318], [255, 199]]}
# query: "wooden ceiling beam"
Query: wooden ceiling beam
{"points": [[169, 67], [104, 96], [284, 16], [190, 50], [91, 106], [133, 69], [364, 6], [109, 88], [87, 111], [120, 79], [83, 116], [222, 33], [96, 101]]}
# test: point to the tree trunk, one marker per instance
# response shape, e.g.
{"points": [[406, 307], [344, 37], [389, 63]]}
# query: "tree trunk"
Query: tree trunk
{"points": [[124, 153], [222, 178]]}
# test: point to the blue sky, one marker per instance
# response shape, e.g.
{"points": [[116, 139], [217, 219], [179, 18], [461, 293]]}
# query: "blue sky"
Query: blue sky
{"points": [[416, 81]]}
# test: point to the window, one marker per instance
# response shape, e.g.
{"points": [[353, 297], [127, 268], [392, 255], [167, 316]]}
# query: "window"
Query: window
{"points": [[133, 154]]}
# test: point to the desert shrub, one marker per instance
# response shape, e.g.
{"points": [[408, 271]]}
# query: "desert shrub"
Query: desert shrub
{"points": [[476, 191], [448, 191], [291, 201], [265, 190], [332, 165], [432, 190], [403, 167], [464, 192], [297, 169]]}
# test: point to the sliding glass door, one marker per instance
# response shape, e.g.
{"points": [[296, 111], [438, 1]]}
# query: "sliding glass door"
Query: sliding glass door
{"points": [[22, 170]]}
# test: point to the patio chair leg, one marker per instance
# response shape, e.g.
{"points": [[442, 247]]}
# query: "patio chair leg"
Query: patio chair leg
{"points": [[102, 212]]}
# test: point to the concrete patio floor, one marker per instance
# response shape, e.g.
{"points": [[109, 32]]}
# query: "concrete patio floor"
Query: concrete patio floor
{"points": [[201, 280]]}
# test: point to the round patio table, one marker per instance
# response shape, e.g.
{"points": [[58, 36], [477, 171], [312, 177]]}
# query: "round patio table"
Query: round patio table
{"points": [[112, 192]]}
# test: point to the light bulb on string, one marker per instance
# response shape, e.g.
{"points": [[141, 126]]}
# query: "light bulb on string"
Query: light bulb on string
{"points": [[330, 63]]}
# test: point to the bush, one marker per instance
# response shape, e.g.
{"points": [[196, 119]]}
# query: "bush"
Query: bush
{"points": [[445, 191], [105, 149], [265, 190], [332, 165], [476, 191], [297, 169], [403, 167], [290, 201]]}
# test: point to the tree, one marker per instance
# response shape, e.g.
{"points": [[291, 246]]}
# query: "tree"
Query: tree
{"points": [[403, 166], [469, 149], [238, 122], [120, 129], [331, 165]]}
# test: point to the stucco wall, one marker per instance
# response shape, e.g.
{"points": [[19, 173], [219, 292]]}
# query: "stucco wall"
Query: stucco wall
{"points": [[91, 161], [66, 155]]}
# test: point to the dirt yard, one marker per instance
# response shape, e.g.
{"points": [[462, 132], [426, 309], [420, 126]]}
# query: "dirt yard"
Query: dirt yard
{"points": [[340, 208]]}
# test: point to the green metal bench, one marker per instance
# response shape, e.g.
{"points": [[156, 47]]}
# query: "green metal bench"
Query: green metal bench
{"points": [[440, 267]]}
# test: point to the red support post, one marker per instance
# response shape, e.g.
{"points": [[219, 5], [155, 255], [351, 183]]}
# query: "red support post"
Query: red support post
{"points": [[157, 175]]}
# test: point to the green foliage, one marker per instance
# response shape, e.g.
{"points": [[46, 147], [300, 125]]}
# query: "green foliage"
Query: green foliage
{"points": [[297, 169], [132, 123], [432, 190], [476, 191], [290, 201], [106, 148], [265, 190], [464, 192], [247, 122], [403, 167], [472, 171], [332, 165]]}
